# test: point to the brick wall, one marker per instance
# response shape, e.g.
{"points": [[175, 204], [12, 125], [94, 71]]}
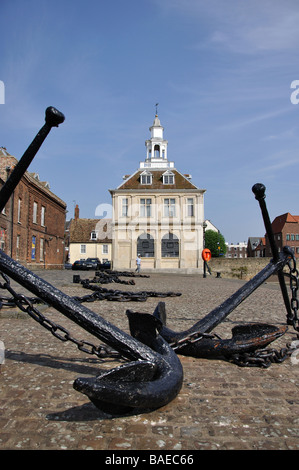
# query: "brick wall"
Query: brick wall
{"points": [[36, 243]]}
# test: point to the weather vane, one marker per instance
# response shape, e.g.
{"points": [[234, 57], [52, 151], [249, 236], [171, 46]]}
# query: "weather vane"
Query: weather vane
{"points": [[157, 108]]}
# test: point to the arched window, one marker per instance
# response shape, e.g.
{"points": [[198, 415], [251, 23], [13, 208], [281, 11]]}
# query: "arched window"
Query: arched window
{"points": [[146, 246], [157, 151], [170, 246]]}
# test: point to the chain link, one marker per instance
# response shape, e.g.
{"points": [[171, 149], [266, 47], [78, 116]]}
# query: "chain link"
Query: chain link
{"points": [[294, 283], [24, 304], [261, 357], [265, 357]]}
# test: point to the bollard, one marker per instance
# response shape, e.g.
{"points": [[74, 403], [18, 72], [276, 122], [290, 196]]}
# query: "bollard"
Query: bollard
{"points": [[76, 279]]}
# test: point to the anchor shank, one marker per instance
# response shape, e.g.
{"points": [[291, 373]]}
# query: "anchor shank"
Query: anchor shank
{"points": [[75, 311], [259, 191], [53, 119], [216, 316]]}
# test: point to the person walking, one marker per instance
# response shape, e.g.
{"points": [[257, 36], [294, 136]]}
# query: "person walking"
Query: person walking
{"points": [[138, 263]]}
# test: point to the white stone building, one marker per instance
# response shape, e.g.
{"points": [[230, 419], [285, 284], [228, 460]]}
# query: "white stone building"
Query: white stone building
{"points": [[157, 213]]}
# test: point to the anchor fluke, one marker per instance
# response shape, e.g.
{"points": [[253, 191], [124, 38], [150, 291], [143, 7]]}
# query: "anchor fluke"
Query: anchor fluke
{"points": [[142, 384]]}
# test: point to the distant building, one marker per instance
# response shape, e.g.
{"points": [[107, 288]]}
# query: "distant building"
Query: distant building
{"points": [[286, 233], [260, 251], [238, 250], [158, 213], [210, 226], [33, 220], [89, 238], [252, 244], [285, 228]]}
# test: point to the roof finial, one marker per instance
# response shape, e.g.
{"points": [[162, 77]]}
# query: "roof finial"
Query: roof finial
{"points": [[157, 109]]}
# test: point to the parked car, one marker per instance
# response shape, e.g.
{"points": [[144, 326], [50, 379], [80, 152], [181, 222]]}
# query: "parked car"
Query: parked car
{"points": [[67, 266], [79, 264], [93, 263], [105, 265], [86, 264]]}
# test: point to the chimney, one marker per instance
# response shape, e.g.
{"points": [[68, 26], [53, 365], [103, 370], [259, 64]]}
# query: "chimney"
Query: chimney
{"points": [[76, 212]]}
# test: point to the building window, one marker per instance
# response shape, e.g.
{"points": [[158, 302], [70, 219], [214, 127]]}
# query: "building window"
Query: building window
{"points": [[18, 247], [169, 207], [33, 247], [297, 236], [146, 178], [93, 235], [124, 207], [145, 207], [42, 216], [190, 207], [146, 246], [41, 249], [19, 210], [168, 178], [83, 249], [288, 237], [35, 212], [105, 249], [2, 238], [170, 246]]}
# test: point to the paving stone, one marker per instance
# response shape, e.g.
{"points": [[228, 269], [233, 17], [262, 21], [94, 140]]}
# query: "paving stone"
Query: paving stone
{"points": [[220, 407]]}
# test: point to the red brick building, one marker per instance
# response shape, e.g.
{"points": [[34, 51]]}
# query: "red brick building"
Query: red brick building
{"points": [[286, 233], [33, 221]]}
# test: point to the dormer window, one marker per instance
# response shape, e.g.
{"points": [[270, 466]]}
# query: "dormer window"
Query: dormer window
{"points": [[168, 177], [93, 235], [146, 177]]}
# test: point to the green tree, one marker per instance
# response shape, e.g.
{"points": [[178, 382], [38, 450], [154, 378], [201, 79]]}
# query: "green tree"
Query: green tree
{"points": [[215, 242]]}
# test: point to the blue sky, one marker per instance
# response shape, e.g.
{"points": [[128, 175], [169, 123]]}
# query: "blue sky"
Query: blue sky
{"points": [[220, 70]]}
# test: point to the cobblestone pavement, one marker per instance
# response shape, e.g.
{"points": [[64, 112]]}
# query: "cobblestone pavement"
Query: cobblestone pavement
{"points": [[220, 406]]}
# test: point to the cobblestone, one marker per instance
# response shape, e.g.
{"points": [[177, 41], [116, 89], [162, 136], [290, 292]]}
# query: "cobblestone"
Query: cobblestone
{"points": [[220, 407]]}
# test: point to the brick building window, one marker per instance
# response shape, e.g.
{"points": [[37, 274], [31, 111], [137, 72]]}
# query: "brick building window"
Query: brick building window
{"points": [[41, 249], [35, 212], [42, 216], [19, 209], [18, 247], [33, 247], [2, 238]]}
